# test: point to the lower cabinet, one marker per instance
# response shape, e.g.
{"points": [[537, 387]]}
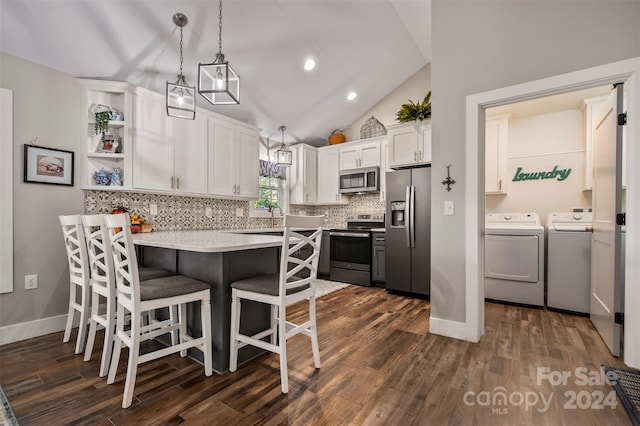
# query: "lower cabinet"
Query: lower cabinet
{"points": [[378, 254]]}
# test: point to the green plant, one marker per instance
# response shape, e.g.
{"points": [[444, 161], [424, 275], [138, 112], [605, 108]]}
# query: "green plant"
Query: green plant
{"points": [[415, 111], [102, 121]]}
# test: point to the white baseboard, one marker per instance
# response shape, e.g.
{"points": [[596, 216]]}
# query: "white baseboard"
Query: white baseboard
{"points": [[448, 328], [27, 330]]}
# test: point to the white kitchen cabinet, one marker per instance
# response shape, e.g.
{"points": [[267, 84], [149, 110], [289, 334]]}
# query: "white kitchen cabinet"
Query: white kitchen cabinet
{"points": [[169, 154], [303, 175], [103, 96], [384, 168], [409, 144], [496, 137], [233, 159], [328, 176], [359, 154]]}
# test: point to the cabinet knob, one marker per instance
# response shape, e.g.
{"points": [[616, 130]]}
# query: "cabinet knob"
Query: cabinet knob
{"points": [[178, 183], [171, 182]]}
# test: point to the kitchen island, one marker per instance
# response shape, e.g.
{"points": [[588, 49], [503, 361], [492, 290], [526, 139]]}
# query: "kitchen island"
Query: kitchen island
{"points": [[217, 258]]}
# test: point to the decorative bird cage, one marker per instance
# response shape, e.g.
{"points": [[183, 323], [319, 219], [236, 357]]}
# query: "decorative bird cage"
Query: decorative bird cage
{"points": [[372, 128]]}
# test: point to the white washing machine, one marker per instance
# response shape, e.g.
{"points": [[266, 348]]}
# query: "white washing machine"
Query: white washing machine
{"points": [[569, 261], [514, 258]]}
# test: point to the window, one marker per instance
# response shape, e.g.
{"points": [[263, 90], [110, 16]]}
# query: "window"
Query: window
{"points": [[271, 190], [268, 193]]}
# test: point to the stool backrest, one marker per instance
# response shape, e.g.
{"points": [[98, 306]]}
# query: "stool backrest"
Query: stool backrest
{"points": [[291, 267], [124, 259], [76, 246], [99, 250]]}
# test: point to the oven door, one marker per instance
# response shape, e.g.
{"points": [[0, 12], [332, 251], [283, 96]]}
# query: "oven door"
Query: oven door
{"points": [[350, 257]]}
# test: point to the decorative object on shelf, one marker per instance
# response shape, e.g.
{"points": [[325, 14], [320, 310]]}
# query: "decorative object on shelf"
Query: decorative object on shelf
{"points": [[48, 165], [109, 144], [415, 111], [102, 122], [116, 115], [102, 177], [116, 177], [284, 156], [218, 83], [181, 98], [336, 137], [448, 181], [372, 128]]}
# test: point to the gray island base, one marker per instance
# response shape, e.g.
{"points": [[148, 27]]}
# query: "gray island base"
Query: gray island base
{"points": [[219, 258]]}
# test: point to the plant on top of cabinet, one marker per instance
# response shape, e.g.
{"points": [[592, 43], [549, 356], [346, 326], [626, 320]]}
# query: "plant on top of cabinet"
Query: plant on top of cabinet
{"points": [[415, 111]]}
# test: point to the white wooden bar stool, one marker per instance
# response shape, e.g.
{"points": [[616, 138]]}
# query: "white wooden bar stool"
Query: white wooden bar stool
{"points": [[103, 286], [281, 290], [158, 293], [79, 291]]}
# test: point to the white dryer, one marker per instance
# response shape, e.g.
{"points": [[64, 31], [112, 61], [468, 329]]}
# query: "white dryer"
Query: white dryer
{"points": [[569, 261], [514, 258]]}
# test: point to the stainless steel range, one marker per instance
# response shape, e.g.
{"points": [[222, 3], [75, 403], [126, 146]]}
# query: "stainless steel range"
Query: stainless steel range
{"points": [[350, 252]]}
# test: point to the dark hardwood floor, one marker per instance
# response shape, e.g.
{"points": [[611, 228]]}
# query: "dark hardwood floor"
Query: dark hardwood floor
{"points": [[379, 366]]}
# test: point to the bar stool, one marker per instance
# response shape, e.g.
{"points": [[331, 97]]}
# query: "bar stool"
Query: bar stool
{"points": [[103, 286], [281, 290], [158, 293], [78, 278]]}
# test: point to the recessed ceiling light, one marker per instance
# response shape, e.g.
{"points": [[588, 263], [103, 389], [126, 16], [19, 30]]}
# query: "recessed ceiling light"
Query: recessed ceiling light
{"points": [[351, 96], [309, 65]]}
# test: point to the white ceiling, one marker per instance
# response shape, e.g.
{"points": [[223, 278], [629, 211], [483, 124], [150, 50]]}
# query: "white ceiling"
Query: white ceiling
{"points": [[369, 46]]}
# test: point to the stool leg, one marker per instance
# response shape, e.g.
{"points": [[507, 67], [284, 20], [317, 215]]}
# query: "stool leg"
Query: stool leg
{"points": [[132, 367], [109, 337], [235, 330], [314, 331], [84, 319], [274, 324], [182, 318], [205, 313], [69, 326], [282, 337], [93, 325]]}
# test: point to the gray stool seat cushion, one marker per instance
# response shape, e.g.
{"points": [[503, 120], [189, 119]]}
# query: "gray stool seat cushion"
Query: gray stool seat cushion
{"points": [[175, 285], [147, 273], [265, 284]]}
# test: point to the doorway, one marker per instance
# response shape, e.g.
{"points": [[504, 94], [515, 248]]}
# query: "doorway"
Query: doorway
{"points": [[477, 105]]}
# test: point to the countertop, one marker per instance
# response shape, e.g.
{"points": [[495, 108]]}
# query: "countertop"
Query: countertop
{"points": [[207, 241]]}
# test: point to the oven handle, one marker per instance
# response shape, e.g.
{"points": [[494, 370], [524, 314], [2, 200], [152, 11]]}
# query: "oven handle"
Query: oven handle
{"points": [[349, 234]]}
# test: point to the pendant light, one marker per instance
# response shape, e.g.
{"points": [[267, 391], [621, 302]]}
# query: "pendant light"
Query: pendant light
{"points": [[181, 98], [284, 156], [218, 83]]}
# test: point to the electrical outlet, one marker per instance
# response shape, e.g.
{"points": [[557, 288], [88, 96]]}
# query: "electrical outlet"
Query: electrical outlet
{"points": [[208, 212], [153, 209], [239, 212], [30, 282]]}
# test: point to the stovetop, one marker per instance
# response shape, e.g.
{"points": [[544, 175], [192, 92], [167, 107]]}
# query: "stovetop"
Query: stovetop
{"points": [[363, 222]]}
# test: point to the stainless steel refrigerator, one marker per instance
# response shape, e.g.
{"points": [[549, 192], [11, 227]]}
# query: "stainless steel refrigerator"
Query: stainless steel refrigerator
{"points": [[408, 231]]}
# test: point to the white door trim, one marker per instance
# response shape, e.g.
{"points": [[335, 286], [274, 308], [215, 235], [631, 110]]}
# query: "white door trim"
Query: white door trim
{"points": [[627, 70]]}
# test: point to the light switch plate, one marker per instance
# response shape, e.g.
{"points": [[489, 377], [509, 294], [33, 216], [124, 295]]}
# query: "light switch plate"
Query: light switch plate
{"points": [[153, 209], [449, 208]]}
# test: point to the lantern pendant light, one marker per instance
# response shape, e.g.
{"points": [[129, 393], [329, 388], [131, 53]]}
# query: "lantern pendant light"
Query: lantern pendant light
{"points": [[218, 83], [181, 98], [284, 156]]}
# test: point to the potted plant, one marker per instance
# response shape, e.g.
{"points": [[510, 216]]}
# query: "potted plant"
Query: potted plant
{"points": [[102, 121], [415, 111]]}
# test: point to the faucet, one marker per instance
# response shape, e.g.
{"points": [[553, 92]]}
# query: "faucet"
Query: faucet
{"points": [[272, 209]]}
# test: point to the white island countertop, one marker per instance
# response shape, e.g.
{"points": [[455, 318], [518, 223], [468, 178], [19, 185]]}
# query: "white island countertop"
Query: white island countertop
{"points": [[206, 241]]}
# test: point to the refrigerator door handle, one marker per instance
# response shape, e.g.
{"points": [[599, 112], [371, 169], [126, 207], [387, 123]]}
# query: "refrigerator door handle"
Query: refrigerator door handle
{"points": [[412, 216], [407, 212]]}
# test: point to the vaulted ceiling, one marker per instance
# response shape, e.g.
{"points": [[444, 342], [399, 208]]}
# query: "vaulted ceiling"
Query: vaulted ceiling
{"points": [[366, 46]]}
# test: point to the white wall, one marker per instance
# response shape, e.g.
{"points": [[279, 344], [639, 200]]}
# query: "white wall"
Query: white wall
{"points": [[484, 45], [538, 143], [46, 105], [414, 88]]}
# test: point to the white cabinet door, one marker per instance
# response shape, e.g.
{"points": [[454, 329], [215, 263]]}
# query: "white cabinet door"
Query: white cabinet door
{"points": [[424, 144], [403, 146], [349, 157], [496, 133], [247, 163], [152, 149], [384, 168], [354, 155], [303, 175], [311, 175], [370, 154], [190, 154], [328, 176], [222, 159]]}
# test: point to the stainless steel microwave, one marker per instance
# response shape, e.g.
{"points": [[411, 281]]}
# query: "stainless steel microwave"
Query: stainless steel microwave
{"points": [[360, 180]]}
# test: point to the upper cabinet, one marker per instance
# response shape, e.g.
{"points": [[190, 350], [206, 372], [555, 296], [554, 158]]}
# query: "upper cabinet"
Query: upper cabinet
{"points": [[233, 161], [303, 175], [359, 154], [328, 176], [409, 144], [169, 154], [496, 136], [113, 151]]}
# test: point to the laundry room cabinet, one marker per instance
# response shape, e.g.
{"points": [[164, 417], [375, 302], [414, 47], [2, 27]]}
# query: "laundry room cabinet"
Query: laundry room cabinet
{"points": [[495, 166]]}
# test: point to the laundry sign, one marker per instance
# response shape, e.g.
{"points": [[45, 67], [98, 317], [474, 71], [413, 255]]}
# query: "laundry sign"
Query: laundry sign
{"points": [[556, 173]]}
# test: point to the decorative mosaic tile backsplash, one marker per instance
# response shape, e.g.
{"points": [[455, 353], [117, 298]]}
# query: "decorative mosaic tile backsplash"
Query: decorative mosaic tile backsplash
{"points": [[188, 213]]}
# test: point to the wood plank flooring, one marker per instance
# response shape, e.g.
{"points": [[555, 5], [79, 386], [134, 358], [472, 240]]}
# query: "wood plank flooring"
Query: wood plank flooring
{"points": [[379, 366]]}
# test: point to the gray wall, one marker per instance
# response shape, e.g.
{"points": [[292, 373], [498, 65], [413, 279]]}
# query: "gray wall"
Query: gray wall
{"points": [[46, 105], [483, 45]]}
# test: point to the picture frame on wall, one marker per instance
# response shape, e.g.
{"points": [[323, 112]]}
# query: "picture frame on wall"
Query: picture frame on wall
{"points": [[48, 165]]}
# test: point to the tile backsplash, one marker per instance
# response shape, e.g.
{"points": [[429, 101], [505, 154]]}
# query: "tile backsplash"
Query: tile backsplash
{"points": [[189, 213]]}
